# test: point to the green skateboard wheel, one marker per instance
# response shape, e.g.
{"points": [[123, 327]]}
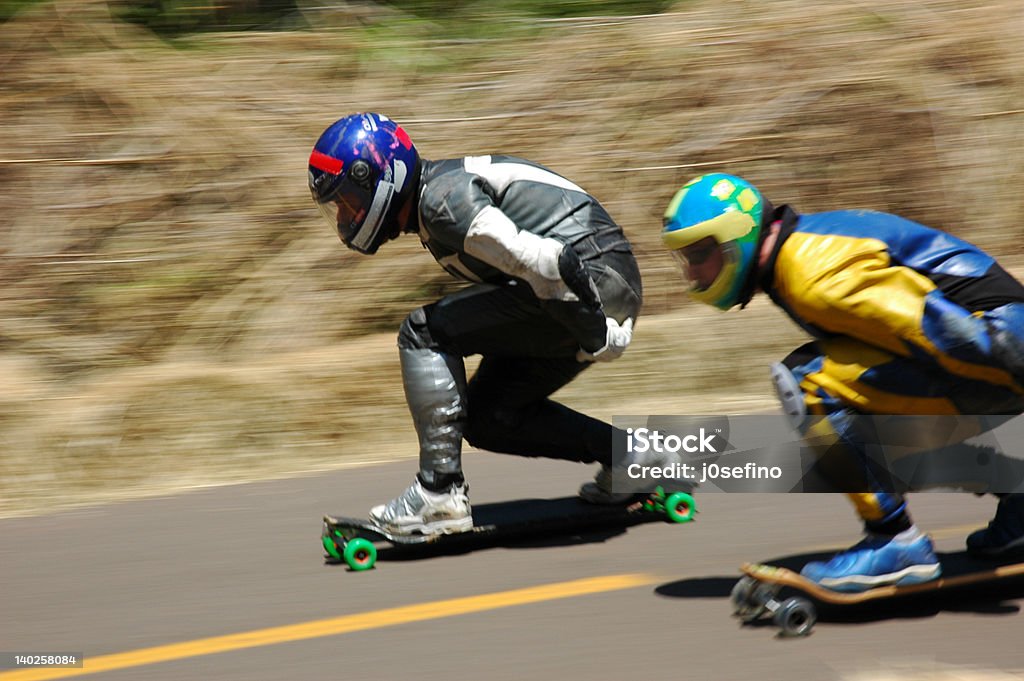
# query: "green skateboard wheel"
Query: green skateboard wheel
{"points": [[680, 507], [360, 554], [330, 547]]}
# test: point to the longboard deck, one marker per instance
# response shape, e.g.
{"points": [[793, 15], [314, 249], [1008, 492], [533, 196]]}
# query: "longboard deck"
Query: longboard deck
{"points": [[959, 570], [355, 540], [521, 517]]}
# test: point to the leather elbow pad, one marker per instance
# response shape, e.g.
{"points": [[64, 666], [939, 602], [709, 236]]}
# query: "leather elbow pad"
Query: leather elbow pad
{"points": [[576, 277]]}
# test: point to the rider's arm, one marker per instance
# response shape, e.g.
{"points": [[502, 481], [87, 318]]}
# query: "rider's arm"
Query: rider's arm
{"points": [[494, 239], [850, 286], [463, 214]]}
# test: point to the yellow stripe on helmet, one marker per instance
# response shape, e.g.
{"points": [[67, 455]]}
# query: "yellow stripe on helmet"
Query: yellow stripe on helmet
{"points": [[724, 228]]}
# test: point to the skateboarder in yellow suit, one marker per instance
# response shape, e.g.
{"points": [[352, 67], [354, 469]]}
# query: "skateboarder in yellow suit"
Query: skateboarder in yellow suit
{"points": [[908, 320]]}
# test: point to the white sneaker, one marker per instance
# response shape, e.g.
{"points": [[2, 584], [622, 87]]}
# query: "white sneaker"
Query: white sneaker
{"points": [[613, 486], [599, 491], [419, 511]]}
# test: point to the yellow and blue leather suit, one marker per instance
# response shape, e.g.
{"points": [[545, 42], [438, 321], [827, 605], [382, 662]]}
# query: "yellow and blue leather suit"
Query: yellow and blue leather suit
{"points": [[908, 320]]}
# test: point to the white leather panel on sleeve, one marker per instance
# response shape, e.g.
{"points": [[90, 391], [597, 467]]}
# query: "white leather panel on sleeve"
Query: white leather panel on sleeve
{"points": [[494, 239]]}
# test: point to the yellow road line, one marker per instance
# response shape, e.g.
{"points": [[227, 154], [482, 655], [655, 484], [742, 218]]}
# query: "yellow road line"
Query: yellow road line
{"points": [[337, 625]]}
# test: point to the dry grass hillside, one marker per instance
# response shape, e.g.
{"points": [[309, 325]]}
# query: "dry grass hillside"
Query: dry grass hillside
{"points": [[174, 313]]}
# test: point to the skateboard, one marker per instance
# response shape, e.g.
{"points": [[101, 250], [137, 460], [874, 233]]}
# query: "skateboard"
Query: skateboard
{"points": [[356, 540], [757, 592]]}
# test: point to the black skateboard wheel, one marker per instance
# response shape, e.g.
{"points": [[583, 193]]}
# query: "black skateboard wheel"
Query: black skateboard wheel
{"points": [[795, 617]]}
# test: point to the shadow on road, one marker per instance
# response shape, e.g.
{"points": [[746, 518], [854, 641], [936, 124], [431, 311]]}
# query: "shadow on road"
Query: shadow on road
{"points": [[472, 544]]}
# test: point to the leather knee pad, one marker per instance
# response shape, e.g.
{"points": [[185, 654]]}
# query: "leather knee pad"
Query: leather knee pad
{"points": [[414, 333]]}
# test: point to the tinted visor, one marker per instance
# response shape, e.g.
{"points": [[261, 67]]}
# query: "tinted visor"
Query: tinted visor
{"points": [[700, 262], [345, 210]]}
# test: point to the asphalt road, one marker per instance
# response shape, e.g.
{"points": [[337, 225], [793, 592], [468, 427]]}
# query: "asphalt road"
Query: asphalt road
{"points": [[230, 583]]}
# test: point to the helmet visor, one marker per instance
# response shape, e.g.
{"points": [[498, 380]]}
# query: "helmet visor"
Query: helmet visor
{"points": [[346, 209], [701, 263]]}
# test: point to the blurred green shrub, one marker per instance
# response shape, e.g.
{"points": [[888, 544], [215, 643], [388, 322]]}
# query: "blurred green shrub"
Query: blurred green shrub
{"points": [[536, 8], [8, 8], [176, 17]]}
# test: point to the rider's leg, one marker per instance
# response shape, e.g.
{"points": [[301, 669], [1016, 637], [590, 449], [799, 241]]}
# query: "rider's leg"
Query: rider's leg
{"points": [[510, 328], [435, 390], [1004, 535], [894, 551]]}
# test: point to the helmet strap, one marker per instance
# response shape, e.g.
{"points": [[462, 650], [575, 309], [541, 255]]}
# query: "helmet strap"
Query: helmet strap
{"points": [[750, 284]]}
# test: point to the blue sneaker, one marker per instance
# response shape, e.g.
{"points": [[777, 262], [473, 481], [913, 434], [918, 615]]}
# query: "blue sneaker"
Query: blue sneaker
{"points": [[1004, 535], [878, 561]]}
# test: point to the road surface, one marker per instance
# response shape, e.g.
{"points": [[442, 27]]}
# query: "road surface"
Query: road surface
{"points": [[229, 583]]}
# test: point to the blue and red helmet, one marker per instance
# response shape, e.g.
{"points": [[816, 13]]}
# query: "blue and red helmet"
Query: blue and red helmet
{"points": [[362, 171]]}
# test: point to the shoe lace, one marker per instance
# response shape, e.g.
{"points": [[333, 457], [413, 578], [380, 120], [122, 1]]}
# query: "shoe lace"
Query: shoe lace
{"points": [[404, 503], [870, 541]]}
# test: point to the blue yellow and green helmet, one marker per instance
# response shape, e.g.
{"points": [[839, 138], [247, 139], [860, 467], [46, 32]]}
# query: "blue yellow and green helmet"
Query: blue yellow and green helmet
{"points": [[729, 210]]}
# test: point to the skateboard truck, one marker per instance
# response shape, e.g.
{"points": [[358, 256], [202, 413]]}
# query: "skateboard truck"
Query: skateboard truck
{"points": [[679, 507], [756, 593], [751, 599]]}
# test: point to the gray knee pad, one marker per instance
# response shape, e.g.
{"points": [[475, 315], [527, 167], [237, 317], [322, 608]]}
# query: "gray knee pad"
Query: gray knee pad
{"points": [[790, 395], [414, 332], [435, 390]]}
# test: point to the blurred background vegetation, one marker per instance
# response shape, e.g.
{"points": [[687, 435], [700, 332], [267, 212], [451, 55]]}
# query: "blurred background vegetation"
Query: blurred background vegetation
{"points": [[174, 313]]}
